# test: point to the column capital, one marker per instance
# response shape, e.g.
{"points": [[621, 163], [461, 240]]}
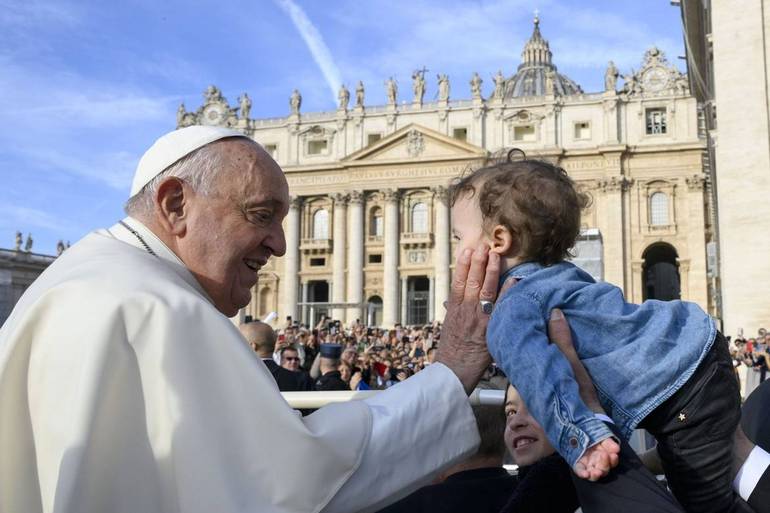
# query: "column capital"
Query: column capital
{"points": [[355, 197], [391, 195], [296, 201], [441, 193], [340, 199]]}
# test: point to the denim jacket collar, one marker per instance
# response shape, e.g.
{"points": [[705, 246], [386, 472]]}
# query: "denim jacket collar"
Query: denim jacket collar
{"points": [[519, 271]]}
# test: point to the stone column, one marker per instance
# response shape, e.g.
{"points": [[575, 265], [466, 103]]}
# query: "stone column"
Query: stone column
{"points": [[338, 254], [441, 257], [356, 255], [291, 270], [431, 299], [390, 259], [404, 299]]}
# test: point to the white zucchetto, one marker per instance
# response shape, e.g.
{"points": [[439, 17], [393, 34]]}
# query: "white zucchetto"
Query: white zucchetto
{"points": [[172, 147]]}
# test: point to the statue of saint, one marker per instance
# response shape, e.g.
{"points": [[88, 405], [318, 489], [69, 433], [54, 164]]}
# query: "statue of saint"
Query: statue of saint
{"points": [[245, 103], [392, 90], [213, 94], [180, 112], [476, 86], [611, 77], [418, 85], [28, 244], [499, 80], [19, 240], [344, 97], [443, 87], [60, 248], [360, 94], [550, 75], [295, 102], [630, 84]]}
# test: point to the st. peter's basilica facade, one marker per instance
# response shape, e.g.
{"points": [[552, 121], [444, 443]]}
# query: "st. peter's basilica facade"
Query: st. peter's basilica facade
{"points": [[368, 233]]}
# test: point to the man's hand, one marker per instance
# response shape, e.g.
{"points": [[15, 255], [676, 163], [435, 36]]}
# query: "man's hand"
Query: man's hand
{"points": [[463, 345], [597, 461]]}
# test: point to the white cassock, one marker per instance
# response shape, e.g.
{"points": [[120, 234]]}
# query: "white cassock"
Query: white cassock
{"points": [[122, 389]]}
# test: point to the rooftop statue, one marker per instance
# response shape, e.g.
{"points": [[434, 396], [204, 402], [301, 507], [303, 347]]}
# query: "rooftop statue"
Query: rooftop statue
{"points": [[245, 103], [476, 86], [360, 94], [295, 102], [344, 97]]}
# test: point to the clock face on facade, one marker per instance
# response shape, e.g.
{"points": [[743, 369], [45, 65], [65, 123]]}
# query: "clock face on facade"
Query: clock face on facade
{"points": [[655, 79], [213, 115]]}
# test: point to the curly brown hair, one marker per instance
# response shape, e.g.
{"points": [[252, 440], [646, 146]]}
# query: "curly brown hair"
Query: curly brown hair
{"points": [[535, 200]]}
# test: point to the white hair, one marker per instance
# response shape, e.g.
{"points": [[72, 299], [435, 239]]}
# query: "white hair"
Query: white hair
{"points": [[198, 169]]}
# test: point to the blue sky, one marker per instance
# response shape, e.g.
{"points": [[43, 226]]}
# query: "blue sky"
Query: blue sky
{"points": [[87, 86]]}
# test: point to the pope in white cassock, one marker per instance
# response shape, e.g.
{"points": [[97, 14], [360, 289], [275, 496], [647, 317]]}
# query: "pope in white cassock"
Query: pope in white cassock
{"points": [[124, 387]]}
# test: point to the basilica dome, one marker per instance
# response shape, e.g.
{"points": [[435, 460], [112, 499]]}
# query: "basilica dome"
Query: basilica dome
{"points": [[535, 71]]}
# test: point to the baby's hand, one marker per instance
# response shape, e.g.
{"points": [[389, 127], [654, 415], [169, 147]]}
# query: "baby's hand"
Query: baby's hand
{"points": [[598, 460]]}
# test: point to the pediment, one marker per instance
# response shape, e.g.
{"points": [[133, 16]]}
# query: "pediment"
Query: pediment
{"points": [[414, 143]]}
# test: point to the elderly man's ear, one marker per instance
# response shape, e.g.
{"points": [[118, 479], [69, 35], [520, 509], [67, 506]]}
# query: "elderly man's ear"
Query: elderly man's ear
{"points": [[172, 206], [502, 241]]}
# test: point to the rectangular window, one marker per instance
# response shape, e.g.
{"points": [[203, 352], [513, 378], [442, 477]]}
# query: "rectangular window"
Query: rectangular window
{"points": [[582, 130], [375, 258], [317, 262], [655, 121], [317, 147], [461, 134], [524, 133], [373, 138], [272, 150]]}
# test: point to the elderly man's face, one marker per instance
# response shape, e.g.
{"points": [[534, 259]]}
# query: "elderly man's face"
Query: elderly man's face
{"points": [[231, 233]]}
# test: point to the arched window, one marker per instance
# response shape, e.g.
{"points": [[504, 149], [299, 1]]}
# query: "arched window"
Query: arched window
{"points": [[265, 301], [420, 218], [659, 209], [375, 223], [321, 224]]}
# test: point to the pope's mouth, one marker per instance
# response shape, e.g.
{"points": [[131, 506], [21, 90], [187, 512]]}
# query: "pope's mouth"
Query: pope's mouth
{"points": [[253, 264]]}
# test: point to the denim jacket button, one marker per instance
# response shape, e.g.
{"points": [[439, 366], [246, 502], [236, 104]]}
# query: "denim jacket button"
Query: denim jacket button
{"points": [[573, 442]]}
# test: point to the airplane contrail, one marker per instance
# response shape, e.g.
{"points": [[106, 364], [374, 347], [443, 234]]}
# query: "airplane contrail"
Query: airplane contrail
{"points": [[315, 43]]}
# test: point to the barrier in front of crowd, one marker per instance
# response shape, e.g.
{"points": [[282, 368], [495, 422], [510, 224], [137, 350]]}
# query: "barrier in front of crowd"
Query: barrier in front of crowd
{"points": [[311, 400]]}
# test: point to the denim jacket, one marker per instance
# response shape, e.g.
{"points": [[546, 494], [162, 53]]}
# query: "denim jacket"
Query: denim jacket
{"points": [[637, 355]]}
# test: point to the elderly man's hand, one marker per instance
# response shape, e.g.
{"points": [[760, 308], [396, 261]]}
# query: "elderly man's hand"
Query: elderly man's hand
{"points": [[463, 345]]}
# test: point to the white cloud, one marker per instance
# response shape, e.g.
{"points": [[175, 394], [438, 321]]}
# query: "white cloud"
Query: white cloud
{"points": [[315, 43]]}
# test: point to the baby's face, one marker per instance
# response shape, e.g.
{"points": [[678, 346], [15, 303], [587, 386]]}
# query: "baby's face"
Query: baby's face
{"points": [[467, 224]]}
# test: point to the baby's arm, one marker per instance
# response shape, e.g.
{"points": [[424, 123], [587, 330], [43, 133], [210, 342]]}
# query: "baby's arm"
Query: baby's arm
{"points": [[518, 341]]}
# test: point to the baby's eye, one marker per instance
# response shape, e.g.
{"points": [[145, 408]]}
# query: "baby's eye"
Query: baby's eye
{"points": [[455, 238]]}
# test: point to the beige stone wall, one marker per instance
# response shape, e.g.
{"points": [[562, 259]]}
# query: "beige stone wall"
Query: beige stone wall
{"points": [[743, 159]]}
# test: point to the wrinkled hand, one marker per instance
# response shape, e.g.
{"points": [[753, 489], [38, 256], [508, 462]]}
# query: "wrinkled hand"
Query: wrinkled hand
{"points": [[598, 460], [463, 345]]}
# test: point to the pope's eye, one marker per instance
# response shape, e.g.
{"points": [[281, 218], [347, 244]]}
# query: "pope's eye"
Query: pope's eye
{"points": [[259, 217]]}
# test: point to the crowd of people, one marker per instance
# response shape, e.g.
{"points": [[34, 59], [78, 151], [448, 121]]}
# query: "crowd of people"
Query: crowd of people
{"points": [[750, 359], [331, 356]]}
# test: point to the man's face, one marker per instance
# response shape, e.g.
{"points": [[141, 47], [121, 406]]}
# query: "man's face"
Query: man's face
{"points": [[467, 224], [290, 360], [231, 233], [349, 356]]}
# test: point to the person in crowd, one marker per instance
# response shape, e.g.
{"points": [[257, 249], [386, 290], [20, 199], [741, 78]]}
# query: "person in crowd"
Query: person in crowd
{"points": [[290, 361], [261, 338], [331, 377], [528, 212], [124, 385], [544, 479], [479, 484]]}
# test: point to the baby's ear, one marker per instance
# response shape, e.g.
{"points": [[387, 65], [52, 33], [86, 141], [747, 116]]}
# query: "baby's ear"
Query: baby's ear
{"points": [[502, 241]]}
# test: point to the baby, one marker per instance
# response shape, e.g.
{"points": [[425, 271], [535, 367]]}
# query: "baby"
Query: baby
{"points": [[660, 365]]}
